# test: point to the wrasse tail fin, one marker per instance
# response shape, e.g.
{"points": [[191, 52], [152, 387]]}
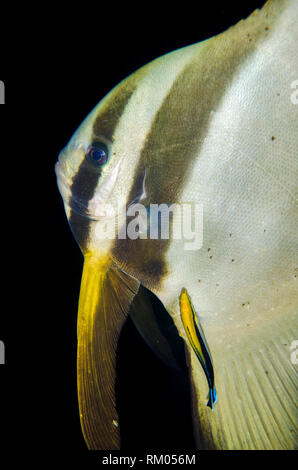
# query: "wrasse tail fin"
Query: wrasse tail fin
{"points": [[212, 398], [105, 298]]}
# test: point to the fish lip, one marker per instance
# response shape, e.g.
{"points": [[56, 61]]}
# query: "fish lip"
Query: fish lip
{"points": [[76, 204], [63, 182], [64, 186], [73, 202], [59, 171]]}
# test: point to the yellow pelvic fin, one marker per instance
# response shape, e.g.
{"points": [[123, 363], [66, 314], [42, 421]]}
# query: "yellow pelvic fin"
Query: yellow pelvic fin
{"points": [[105, 298]]}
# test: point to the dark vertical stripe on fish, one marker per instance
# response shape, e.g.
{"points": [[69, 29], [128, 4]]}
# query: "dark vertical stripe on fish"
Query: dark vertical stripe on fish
{"points": [[86, 179], [174, 140]]}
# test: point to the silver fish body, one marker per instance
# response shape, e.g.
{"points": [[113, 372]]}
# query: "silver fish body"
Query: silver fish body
{"points": [[211, 124]]}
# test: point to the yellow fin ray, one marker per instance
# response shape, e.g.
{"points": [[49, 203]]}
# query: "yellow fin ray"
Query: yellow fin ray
{"points": [[105, 298]]}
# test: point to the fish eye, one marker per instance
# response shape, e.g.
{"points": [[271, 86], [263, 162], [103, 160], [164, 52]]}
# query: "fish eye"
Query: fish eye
{"points": [[97, 154]]}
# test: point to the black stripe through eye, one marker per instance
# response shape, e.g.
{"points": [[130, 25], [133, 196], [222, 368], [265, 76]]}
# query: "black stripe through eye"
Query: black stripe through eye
{"points": [[86, 179]]}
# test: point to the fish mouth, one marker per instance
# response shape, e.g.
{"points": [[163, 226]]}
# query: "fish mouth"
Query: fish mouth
{"points": [[101, 210], [74, 203]]}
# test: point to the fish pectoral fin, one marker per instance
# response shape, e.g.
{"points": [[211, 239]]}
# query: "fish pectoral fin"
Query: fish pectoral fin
{"points": [[158, 329], [105, 298]]}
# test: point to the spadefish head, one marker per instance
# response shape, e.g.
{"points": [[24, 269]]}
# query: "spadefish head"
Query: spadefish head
{"points": [[105, 161], [92, 168]]}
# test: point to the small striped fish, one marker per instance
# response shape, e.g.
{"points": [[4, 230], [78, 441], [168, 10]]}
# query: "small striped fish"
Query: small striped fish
{"points": [[211, 125], [198, 342]]}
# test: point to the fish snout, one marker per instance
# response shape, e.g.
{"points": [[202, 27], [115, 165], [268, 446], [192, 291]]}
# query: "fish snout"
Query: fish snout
{"points": [[63, 183]]}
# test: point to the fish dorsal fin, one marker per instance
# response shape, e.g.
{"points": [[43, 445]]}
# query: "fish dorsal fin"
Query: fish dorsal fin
{"points": [[105, 298]]}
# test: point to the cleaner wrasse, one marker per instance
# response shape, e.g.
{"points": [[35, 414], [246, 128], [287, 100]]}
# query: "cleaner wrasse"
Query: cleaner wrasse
{"points": [[198, 341], [213, 124]]}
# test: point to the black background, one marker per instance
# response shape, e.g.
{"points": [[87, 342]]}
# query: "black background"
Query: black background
{"points": [[56, 66]]}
